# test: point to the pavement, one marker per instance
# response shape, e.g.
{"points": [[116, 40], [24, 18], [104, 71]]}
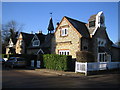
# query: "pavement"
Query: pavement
{"points": [[73, 74]]}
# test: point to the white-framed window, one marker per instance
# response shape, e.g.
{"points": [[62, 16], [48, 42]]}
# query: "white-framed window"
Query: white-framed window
{"points": [[101, 42], [64, 52], [103, 57], [36, 43], [64, 31]]}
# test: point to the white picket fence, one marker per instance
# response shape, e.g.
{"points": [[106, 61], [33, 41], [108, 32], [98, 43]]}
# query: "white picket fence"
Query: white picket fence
{"points": [[95, 66]]}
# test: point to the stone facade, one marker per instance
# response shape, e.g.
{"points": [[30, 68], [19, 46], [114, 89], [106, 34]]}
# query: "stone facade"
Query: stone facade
{"points": [[20, 45], [72, 41]]}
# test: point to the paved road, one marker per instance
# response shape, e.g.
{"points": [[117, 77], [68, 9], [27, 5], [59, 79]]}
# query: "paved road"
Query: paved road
{"points": [[39, 79]]}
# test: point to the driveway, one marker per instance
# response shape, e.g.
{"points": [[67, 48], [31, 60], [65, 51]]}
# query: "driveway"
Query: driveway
{"points": [[43, 78]]}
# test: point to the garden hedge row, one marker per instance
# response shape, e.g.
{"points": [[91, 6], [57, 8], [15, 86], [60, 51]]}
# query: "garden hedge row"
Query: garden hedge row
{"points": [[57, 62], [84, 56]]}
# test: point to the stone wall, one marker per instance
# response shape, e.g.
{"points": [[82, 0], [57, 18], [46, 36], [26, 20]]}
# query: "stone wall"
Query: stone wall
{"points": [[70, 42]]}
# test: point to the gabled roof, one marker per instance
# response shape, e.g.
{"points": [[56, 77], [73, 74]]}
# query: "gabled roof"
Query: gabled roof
{"points": [[47, 42], [27, 38], [41, 37], [79, 26]]}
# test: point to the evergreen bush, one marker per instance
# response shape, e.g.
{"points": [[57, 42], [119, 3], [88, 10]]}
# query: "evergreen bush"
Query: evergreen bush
{"points": [[57, 62]]}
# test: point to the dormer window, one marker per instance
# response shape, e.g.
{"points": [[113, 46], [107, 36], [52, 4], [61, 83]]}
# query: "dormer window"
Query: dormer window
{"points": [[64, 31], [36, 43], [92, 24]]}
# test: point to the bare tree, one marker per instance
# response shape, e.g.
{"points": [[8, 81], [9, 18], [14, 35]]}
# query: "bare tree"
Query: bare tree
{"points": [[10, 30]]}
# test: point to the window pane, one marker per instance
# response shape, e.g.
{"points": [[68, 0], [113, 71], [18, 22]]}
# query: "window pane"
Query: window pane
{"points": [[92, 24], [67, 53], [100, 57], [65, 31]]}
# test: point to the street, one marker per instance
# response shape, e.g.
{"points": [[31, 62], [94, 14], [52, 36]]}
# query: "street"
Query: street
{"points": [[18, 78]]}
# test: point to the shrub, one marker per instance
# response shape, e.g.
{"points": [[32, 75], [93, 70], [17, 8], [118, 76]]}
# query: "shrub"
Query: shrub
{"points": [[4, 55], [84, 56], [57, 62]]}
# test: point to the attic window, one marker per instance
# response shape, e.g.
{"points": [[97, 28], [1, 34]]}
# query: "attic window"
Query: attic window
{"points": [[64, 31], [36, 43], [92, 24], [101, 42]]}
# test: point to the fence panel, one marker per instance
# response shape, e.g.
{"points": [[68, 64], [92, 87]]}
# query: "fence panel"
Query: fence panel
{"points": [[38, 64], [92, 66], [84, 67], [32, 63], [103, 65], [81, 67]]}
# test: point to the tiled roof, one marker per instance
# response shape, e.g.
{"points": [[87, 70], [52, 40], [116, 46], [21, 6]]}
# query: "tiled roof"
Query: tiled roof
{"points": [[27, 38], [79, 26], [47, 42], [41, 37]]}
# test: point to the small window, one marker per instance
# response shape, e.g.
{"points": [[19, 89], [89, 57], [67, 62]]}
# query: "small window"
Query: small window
{"points": [[64, 32], [92, 24], [101, 42], [36, 43]]}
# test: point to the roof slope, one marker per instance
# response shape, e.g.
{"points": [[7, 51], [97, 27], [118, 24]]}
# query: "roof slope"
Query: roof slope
{"points": [[79, 26], [41, 37], [27, 38], [47, 42], [50, 26]]}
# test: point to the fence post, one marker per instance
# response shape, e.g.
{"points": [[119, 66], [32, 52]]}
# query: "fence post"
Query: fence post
{"points": [[32, 63], [86, 69], [75, 67], [38, 64]]}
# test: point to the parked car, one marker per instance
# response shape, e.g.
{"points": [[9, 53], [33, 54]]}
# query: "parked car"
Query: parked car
{"points": [[15, 62], [2, 61]]}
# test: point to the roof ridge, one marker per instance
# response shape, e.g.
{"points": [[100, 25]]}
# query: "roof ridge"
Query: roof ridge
{"points": [[26, 33], [75, 20]]}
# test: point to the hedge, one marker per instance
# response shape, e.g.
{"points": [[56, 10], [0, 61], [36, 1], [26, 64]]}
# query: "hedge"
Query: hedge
{"points": [[57, 62], [84, 56]]}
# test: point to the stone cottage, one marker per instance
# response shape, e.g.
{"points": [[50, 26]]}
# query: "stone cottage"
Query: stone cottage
{"points": [[72, 35]]}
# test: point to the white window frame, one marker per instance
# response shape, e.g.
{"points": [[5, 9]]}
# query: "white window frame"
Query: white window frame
{"points": [[106, 57], [64, 52], [35, 42], [100, 59], [64, 31]]}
